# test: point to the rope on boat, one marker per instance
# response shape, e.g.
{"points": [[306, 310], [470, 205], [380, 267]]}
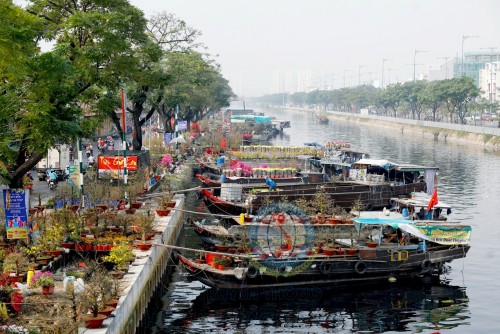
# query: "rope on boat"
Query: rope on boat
{"points": [[203, 251]]}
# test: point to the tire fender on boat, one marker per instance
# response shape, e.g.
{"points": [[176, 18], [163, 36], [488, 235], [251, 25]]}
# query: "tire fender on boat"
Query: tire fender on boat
{"points": [[252, 272], [239, 236], [325, 267], [425, 265], [360, 267], [369, 207]]}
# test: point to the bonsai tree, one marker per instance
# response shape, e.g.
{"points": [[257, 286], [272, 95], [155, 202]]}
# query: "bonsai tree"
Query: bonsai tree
{"points": [[16, 262], [166, 196], [120, 255], [145, 224], [97, 291], [135, 186]]}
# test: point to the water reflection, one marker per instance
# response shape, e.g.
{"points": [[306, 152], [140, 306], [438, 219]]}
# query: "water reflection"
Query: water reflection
{"points": [[414, 306]]}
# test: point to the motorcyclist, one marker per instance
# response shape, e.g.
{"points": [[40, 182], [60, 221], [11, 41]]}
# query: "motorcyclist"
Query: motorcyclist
{"points": [[53, 176]]}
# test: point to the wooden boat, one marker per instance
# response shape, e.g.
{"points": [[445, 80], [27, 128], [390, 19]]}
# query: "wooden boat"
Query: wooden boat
{"points": [[371, 195], [272, 260]]}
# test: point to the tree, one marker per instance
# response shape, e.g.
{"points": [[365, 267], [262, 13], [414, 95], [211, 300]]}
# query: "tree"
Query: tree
{"points": [[460, 92], [412, 93], [434, 96], [91, 55]]}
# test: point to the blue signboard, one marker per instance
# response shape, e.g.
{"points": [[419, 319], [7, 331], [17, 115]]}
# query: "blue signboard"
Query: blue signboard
{"points": [[16, 215], [182, 125]]}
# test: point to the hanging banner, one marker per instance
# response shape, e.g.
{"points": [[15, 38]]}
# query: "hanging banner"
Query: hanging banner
{"points": [[116, 163], [16, 213], [74, 175]]}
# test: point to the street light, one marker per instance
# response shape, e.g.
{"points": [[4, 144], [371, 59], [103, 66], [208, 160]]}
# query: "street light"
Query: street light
{"points": [[390, 69], [464, 37], [383, 63], [359, 74], [414, 59]]}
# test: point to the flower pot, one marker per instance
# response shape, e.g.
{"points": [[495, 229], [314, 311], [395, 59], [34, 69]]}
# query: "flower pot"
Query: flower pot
{"points": [[136, 205], [118, 274], [371, 244], [340, 251], [130, 211], [162, 212], [17, 278], [48, 290], [113, 303], [144, 247], [106, 311], [220, 267], [351, 251], [221, 248], [68, 245], [171, 204], [328, 251], [43, 259], [88, 247], [54, 253], [91, 322]]}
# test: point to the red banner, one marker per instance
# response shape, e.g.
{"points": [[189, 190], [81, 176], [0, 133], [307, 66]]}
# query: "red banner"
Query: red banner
{"points": [[116, 163]]}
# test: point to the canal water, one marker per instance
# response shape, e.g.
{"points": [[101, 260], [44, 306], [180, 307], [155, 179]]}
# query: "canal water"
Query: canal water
{"points": [[465, 300]]}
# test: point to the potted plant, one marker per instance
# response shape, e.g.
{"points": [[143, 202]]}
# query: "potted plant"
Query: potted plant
{"points": [[96, 293], [120, 255], [144, 224], [165, 203], [16, 264], [45, 280]]}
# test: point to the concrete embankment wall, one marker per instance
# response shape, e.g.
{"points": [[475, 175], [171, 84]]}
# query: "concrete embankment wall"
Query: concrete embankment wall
{"points": [[146, 275], [486, 137]]}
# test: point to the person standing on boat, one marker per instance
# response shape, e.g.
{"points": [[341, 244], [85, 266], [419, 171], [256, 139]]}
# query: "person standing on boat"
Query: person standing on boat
{"points": [[223, 177], [270, 183]]}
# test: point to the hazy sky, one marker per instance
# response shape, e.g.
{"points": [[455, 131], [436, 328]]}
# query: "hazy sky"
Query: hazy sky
{"points": [[327, 39]]}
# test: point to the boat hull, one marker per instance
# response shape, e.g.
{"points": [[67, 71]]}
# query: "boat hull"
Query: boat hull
{"points": [[320, 270]]}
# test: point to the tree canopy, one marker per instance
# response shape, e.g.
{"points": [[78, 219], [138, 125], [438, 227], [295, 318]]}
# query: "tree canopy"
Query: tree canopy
{"points": [[98, 47]]}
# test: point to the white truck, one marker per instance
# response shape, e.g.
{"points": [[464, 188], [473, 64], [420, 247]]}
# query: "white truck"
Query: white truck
{"points": [[57, 159]]}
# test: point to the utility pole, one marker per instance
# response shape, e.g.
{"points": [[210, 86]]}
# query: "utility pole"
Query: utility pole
{"points": [[390, 69], [414, 59], [462, 67], [383, 63]]}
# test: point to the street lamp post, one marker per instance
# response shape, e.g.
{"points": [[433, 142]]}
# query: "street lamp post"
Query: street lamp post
{"points": [[383, 63], [390, 69], [464, 37], [414, 59]]}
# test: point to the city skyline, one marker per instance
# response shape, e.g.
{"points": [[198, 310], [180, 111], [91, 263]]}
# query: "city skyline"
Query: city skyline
{"points": [[252, 41]]}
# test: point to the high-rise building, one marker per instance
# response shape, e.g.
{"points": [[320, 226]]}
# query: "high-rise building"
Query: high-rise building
{"points": [[488, 81], [473, 62]]}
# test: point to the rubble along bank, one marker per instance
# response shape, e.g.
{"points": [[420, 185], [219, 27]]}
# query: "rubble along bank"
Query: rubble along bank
{"points": [[485, 137]]}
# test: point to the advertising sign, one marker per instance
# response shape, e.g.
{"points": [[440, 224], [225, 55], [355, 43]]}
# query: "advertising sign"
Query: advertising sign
{"points": [[182, 125], [116, 163], [16, 215]]}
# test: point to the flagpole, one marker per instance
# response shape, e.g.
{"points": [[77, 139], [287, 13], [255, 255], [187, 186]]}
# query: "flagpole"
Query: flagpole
{"points": [[124, 139]]}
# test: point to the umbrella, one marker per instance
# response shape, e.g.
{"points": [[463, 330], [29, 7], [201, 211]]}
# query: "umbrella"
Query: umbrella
{"points": [[178, 140]]}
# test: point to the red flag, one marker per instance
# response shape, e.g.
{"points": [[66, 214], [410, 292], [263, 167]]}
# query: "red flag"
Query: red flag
{"points": [[223, 143], [434, 200]]}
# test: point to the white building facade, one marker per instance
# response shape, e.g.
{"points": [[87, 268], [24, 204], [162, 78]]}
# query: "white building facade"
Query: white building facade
{"points": [[488, 81]]}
